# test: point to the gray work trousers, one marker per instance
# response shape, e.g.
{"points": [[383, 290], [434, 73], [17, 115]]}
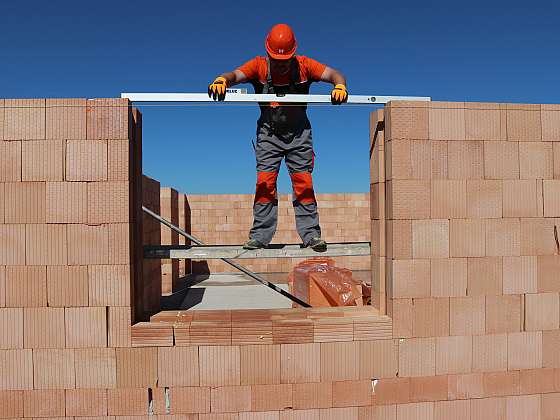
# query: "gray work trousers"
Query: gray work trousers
{"points": [[297, 150]]}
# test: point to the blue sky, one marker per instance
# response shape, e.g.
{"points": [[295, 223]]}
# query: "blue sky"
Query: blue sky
{"points": [[474, 51]]}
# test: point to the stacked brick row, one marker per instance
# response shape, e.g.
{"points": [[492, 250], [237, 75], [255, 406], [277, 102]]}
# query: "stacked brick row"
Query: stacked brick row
{"points": [[169, 205], [151, 235], [466, 209], [227, 218]]}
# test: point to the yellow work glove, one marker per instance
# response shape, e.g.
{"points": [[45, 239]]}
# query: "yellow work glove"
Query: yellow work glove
{"points": [[339, 95], [217, 89]]}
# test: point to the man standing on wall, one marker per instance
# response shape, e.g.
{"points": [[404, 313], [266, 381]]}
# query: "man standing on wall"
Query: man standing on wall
{"points": [[283, 131]]}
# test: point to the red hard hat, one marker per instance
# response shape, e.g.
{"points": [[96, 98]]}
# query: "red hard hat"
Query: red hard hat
{"points": [[281, 42]]}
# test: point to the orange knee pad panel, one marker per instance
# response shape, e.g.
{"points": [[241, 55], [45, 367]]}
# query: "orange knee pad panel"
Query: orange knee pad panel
{"points": [[302, 183], [266, 187]]}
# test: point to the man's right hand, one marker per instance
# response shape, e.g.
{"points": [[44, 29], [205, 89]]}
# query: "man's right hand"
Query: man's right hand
{"points": [[217, 89]]}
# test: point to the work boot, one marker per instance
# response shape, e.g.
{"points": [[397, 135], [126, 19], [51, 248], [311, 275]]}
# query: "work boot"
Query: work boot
{"points": [[253, 244], [317, 244]]}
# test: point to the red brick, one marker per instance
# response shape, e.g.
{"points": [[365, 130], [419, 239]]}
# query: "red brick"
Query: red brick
{"points": [[556, 153], [300, 362], [519, 275], [465, 160], [86, 327], [484, 199], [449, 199], [547, 273], [551, 349], [137, 367], [54, 369], [127, 401], [46, 245], [379, 359], [430, 238], [118, 163], [485, 121], [17, 369], [43, 403], [458, 410], [520, 198], [24, 119], [352, 393], [169, 359], [88, 245], [391, 391], [261, 364], [439, 158], [551, 190], [313, 395], [537, 236], [490, 353], [448, 277], [535, 160], [399, 239], [12, 249], [119, 243], [550, 406], [406, 122], [542, 311], [118, 324], [428, 388], [501, 160], [417, 357], [503, 314], [67, 202], [520, 407], [219, 365], [66, 118], [488, 409], [25, 202], [109, 285], [108, 202], [230, 399], [67, 286], [42, 160], [11, 328], [43, 328], [453, 354], [190, 400], [96, 368], [537, 381], [86, 160], [339, 361], [484, 276], [503, 237], [525, 350], [11, 403], [86, 402], [402, 318], [447, 123], [524, 122], [107, 118], [411, 278], [10, 161], [430, 317], [467, 315], [409, 199], [424, 410], [26, 286], [272, 397], [467, 238], [500, 383]]}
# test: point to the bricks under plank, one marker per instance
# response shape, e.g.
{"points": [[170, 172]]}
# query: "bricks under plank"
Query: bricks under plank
{"points": [[261, 364], [447, 121], [24, 119], [67, 202], [26, 286], [86, 160], [67, 286], [42, 160], [25, 202], [54, 369], [86, 327], [10, 161], [44, 328], [11, 328], [107, 119], [17, 369], [46, 245], [406, 122], [65, 118], [12, 247]]}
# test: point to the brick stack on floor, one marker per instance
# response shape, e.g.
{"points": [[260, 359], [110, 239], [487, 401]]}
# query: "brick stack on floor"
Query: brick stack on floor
{"points": [[466, 206]]}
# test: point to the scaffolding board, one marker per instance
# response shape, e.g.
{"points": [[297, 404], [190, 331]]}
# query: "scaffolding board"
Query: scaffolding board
{"points": [[240, 97], [207, 252]]}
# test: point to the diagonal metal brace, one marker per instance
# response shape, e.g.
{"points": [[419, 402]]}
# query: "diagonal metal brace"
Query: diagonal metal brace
{"points": [[228, 261]]}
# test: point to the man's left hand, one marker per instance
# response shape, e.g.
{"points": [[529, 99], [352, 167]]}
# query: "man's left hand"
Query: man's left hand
{"points": [[339, 95]]}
